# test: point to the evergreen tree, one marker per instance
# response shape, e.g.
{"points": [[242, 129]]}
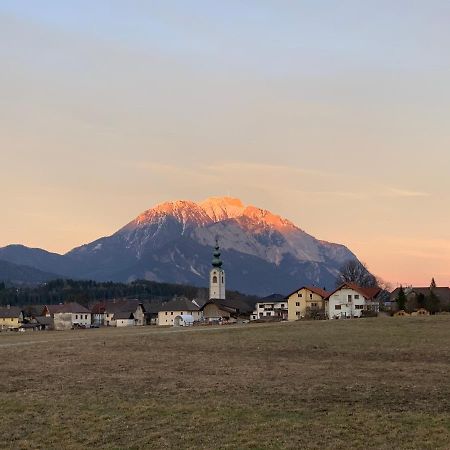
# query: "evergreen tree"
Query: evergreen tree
{"points": [[401, 299], [433, 303], [433, 284]]}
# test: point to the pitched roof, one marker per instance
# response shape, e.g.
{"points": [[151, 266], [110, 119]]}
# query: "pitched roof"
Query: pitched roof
{"points": [[123, 315], [115, 306], [316, 290], [10, 313], [152, 306], [273, 298], [179, 304], [367, 293], [44, 320], [72, 307]]}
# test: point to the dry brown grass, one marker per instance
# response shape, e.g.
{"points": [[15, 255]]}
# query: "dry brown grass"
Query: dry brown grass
{"points": [[374, 383]]}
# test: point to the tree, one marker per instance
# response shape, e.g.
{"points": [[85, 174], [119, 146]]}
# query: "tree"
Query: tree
{"points": [[356, 272], [401, 299], [433, 284], [421, 301], [432, 303]]}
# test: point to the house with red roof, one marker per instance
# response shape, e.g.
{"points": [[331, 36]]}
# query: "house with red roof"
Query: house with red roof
{"points": [[305, 300], [350, 300]]}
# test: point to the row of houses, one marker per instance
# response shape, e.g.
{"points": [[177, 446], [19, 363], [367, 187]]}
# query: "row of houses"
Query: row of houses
{"points": [[347, 301]]}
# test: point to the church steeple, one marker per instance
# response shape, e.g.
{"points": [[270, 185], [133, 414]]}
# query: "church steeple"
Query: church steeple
{"points": [[217, 276], [217, 262]]}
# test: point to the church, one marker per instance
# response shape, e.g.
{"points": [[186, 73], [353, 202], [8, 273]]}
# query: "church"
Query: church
{"points": [[218, 309]]}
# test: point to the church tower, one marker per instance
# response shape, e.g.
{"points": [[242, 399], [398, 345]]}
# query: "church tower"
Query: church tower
{"points": [[217, 276]]}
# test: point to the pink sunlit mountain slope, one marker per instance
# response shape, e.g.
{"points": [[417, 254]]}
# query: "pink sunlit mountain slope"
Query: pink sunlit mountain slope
{"points": [[172, 242]]}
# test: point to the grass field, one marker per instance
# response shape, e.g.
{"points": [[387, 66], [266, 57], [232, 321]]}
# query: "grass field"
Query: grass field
{"points": [[368, 383]]}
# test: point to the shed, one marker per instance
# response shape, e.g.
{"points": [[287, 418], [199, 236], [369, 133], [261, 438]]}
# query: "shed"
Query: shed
{"points": [[184, 320]]}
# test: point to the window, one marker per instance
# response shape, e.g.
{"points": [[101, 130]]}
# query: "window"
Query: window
{"points": [[349, 298], [166, 313], [297, 303], [85, 316], [314, 305], [171, 313], [181, 313], [282, 305], [297, 313], [214, 279], [359, 307], [310, 296], [300, 295], [337, 307], [356, 297], [76, 316], [222, 279]]}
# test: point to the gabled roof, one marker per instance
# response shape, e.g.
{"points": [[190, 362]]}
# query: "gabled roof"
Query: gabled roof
{"points": [[10, 313], [231, 306], [179, 304], [51, 308], [152, 306], [316, 290], [123, 315], [115, 306], [44, 320], [367, 293], [272, 298], [73, 307]]}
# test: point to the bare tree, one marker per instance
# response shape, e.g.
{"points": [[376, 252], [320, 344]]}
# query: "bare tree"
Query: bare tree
{"points": [[356, 272]]}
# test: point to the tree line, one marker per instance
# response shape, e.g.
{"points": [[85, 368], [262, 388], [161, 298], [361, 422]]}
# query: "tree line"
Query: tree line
{"points": [[87, 292]]}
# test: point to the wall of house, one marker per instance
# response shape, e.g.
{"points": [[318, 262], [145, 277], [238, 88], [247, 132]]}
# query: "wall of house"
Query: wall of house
{"points": [[62, 321], [212, 311], [82, 319], [139, 316], [346, 303], [300, 301], [269, 309], [125, 323], [166, 317], [9, 322]]}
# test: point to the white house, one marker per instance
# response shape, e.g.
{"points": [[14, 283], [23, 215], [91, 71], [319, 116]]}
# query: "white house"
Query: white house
{"points": [[106, 312], [350, 300], [273, 306], [70, 315], [178, 307], [124, 319]]}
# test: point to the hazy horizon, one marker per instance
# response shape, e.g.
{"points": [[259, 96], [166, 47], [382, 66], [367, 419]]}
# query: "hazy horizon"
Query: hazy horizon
{"points": [[332, 114]]}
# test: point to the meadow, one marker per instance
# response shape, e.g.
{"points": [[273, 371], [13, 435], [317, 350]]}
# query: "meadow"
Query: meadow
{"points": [[366, 383]]}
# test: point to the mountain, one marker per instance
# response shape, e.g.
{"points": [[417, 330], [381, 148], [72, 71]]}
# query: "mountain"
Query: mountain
{"points": [[20, 274], [172, 242]]}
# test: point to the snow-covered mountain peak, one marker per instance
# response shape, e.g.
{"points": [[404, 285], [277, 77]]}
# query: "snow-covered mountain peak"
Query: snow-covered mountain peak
{"points": [[222, 208], [264, 217]]}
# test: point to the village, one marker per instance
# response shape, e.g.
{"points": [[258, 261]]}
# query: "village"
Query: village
{"points": [[347, 301]]}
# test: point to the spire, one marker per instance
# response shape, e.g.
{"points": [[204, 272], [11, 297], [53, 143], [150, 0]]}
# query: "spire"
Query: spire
{"points": [[217, 262]]}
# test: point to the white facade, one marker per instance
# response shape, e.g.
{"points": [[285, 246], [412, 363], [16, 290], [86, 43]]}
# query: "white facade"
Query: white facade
{"points": [[217, 283], [67, 320], [347, 303], [125, 323], [167, 317], [81, 319], [270, 309]]}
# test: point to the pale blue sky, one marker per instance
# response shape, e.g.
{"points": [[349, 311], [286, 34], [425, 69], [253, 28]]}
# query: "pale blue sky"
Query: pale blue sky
{"points": [[307, 108]]}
